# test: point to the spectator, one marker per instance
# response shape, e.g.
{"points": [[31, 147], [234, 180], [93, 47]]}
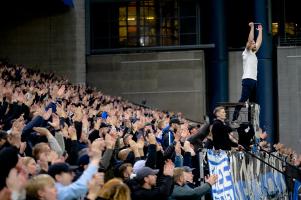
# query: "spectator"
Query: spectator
{"points": [[30, 166], [151, 188], [115, 189], [222, 134], [183, 191], [61, 173], [41, 187]]}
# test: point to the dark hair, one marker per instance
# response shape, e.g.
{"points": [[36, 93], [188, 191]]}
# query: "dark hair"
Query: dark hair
{"points": [[3, 135], [122, 168]]}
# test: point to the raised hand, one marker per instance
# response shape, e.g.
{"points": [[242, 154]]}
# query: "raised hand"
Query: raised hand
{"points": [[168, 168], [72, 133], [55, 122], [110, 141], [95, 151], [98, 123], [65, 131], [16, 181], [178, 148], [47, 114], [133, 146], [140, 143], [212, 179], [95, 185], [60, 111], [61, 91], [259, 27], [42, 131], [152, 138]]}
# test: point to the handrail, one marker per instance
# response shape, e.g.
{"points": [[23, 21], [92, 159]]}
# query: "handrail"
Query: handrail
{"points": [[150, 49]]}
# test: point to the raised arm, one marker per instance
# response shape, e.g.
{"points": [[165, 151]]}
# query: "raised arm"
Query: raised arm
{"points": [[259, 37], [251, 35]]}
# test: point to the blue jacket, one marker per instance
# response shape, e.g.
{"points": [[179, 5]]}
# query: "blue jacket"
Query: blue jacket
{"points": [[77, 189]]}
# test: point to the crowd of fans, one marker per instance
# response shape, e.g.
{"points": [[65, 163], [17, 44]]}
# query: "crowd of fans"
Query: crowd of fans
{"points": [[60, 141]]}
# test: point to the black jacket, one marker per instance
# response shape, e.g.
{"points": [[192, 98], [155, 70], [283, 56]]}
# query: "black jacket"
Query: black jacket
{"points": [[220, 132], [161, 192]]}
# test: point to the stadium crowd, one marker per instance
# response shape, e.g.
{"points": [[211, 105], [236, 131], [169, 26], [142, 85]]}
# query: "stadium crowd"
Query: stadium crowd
{"points": [[61, 141]]}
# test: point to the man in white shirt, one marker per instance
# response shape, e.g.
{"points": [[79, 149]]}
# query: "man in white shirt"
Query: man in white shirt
{"points": [[249, 77]]}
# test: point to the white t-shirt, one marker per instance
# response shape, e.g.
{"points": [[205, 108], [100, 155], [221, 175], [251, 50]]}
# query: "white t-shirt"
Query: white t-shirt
{"points": [[249, 64]]}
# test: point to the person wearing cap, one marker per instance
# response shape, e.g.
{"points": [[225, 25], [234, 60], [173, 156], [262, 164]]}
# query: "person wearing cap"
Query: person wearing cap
{"points": [[61, 173], [188, 175], [149, 188], [168, 132], [183, 191]]}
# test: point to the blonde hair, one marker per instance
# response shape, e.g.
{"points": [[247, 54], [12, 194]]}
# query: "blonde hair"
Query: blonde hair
{"points": [[217, 109], [26, 160], [38, 183], [38, 149], [115, 189], [178, 173]]}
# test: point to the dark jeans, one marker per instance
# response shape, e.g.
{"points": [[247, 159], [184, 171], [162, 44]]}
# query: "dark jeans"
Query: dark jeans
{"points": [[248, 91]]}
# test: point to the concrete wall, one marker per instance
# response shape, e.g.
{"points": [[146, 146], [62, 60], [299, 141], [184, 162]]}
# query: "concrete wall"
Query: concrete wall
{"points": [[235, 74], [173, 81], [289, 96], [50, 43]]}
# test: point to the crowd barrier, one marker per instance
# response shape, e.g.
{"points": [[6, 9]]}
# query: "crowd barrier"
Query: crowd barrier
{"points": [[243, 176]]}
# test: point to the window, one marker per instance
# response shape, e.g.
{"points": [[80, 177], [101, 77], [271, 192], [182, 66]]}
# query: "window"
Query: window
{"points": [[144, 23]]}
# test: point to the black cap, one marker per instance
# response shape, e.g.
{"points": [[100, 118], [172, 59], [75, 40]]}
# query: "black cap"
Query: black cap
{"points": [[187, 169], [145, 171], [83, 160], [59, 168]]}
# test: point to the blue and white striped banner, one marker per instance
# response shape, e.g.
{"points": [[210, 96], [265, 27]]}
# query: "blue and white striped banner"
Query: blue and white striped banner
{"points": [[244, 177], [219, 164]]}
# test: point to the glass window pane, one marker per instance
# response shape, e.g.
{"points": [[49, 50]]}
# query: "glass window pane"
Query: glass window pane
{"points": [[123, 31]]}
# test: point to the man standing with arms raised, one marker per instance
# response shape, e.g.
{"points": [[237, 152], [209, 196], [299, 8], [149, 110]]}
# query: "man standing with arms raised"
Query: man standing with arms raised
{"points": [[249, 77]]}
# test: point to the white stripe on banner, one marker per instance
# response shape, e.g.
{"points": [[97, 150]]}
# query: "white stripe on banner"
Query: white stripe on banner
{"points": [[219, 164]]}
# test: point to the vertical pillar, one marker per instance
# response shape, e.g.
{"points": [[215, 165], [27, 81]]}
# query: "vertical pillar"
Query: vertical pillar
{"points": [[217, 65], [265, 90]]}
